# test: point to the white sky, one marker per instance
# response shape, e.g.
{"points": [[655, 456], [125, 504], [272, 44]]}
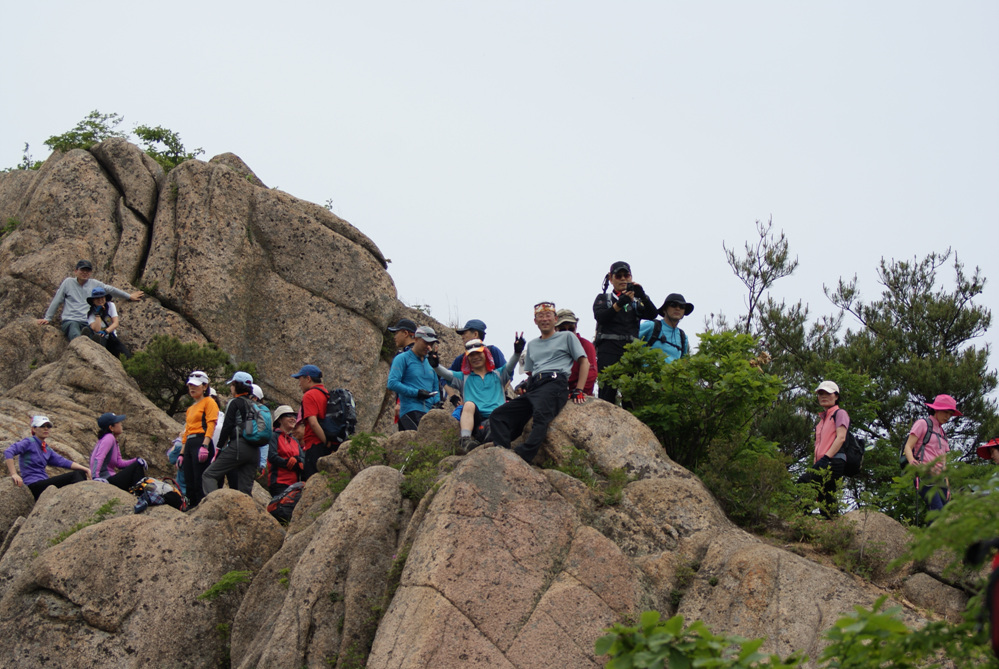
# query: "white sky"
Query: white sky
{"points": [[505, 153]]}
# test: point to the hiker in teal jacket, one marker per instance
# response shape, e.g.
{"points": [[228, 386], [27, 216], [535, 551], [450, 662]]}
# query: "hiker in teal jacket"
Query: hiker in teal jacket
{"points": [[665, 334]]}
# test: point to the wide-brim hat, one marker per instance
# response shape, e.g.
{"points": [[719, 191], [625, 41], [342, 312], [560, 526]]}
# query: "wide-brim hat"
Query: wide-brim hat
{"points": [[985, 450], [565, 316], [688, 308], [281, 412], [944, 403]]}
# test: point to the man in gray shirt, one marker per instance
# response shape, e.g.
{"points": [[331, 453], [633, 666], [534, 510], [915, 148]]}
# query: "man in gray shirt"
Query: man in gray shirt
{"points": [[73, 293], [548, 362]]}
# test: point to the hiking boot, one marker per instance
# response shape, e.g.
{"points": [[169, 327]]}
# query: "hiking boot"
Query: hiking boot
{"points": [[467, 444]]}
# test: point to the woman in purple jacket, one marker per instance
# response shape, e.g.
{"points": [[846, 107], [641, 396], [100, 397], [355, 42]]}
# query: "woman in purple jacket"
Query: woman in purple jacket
{"points": [[105, 460], [35, 455]]}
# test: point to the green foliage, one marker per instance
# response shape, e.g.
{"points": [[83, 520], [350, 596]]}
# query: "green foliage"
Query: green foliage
{"points": [[27, 162], [223, 631], [617, 479], [363, 450], [394, 576], [103, 513], [576, 465], [766, 261], [421, 467], [229, 581], [750, 480], [10, 226], [164, 146], [93, 129], [161, 370], [672, 644]]}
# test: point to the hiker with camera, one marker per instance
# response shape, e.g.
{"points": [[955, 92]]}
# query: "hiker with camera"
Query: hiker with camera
{"points": [[665, 334], [927, 442], [618, 315], [830, 459], [235, 452], [548, 361]]}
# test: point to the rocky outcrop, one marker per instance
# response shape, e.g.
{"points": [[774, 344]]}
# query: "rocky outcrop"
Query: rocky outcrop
{"points": [[134, 590]]}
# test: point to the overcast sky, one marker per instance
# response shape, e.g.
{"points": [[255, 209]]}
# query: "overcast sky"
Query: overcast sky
{"points": [[505, 153]]}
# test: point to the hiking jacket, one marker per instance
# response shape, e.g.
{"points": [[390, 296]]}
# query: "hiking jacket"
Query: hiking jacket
{"points": [[106, 458], [200, 419], [236, 413], [409, 375], [34, 456], [620, 326], [282, 448]]}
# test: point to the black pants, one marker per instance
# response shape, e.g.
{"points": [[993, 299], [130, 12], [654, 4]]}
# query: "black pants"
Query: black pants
{"points": [[411, 420], [312, 456], [74, 476], [608, 353], [127, 477], [824, 474], [543, 401], [239, 457], [194, 470]]}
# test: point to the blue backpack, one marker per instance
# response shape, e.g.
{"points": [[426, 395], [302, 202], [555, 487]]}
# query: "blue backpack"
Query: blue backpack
{"points": [[257, 427]]}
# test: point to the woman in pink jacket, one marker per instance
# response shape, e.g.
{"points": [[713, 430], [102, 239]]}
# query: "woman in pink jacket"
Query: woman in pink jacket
{"points": [[106, 462]]}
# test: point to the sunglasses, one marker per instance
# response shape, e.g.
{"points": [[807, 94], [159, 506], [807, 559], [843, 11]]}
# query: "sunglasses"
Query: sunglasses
{"points": [[623, 274], [674, 305], [544, 306]]}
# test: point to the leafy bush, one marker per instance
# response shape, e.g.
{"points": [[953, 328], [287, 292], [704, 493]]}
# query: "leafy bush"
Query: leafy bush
{"points": [[93, 129], [172, 152], [363, 450], [161, 370], [229, 581]]}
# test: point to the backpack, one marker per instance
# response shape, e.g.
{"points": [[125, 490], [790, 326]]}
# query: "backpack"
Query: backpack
{"points": [[257, 427], [283, 504], [155, 492], [904, 461], [340, 420], [657, 336], [853, 449]]}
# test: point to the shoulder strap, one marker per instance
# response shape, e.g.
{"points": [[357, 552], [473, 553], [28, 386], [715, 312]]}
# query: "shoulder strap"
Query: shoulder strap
{"points": [[683, 343], [926, 438], [657, 331]]}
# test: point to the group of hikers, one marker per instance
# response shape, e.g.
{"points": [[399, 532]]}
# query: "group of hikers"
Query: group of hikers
{"points": [[560, 366]]}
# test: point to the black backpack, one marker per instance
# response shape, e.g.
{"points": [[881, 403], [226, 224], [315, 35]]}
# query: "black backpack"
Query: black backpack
{"points": [[657, 336], [340, 420], [853, 449]]}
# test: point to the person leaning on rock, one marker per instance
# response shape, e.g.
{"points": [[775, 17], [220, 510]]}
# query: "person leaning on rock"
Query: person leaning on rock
{"points": [[34, 454], [412, 378], [548, 361], [72, 295]]}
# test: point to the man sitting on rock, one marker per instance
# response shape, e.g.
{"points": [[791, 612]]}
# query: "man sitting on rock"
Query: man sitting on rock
{"points": [[665, 334], [414, 381], [481, 386], [548, 362], [34, 454], [73, 293]]}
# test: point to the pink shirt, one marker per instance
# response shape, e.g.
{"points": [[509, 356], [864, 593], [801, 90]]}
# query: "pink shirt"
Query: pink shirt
{"points": [[935, 447], [825, 430]]}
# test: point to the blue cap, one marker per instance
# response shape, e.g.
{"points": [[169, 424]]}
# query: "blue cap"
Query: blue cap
{"points": [[310, 371], [106, 420], [474, 324], [242, 377], [98, 292]]}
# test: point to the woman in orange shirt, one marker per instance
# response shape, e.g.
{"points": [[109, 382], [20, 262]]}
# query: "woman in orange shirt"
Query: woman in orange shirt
{"points": [[199, 426]]}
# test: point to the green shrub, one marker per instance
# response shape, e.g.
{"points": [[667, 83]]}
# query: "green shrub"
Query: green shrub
{"points": [[103, 513], [363, 450], [229, 581]]}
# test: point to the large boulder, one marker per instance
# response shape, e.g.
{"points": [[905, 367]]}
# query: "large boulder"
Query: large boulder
{"points": [[15, 502], [140, 590], [320, 596]]}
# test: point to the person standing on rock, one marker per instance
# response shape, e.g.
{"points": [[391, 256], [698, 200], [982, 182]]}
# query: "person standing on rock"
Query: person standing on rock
{"points": [[105, 460], [481, 386], [34, 455], [666, 335], [618, 315], [830, 460], [285, 454], [548, 361], [404, 333], [197, 448], [73, 293], [235, 454], [314, 397], [565, 321], [412, 378], [921, 448]]}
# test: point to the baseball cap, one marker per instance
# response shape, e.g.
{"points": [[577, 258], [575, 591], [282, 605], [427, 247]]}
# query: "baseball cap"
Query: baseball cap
{"points": [[404, 324], [40, 421], [197, 379], [106, 420], [84, 264], [241, 377], [618, 266], [474, 324], [565, 316], [426, 333], [828, 386], [257, 392], [308, 370]]}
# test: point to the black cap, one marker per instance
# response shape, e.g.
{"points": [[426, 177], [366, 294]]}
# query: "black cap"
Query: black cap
{"points": [[404, 324], [84, 264], [618, 266], [677, 297]]}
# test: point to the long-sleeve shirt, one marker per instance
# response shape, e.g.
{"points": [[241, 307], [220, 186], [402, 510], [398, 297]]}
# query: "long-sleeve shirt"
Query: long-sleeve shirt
{"points": [[620, 326], [201, 418], [106, 458], [34, 455], [486, 392], [73, 298], [408, 376]]}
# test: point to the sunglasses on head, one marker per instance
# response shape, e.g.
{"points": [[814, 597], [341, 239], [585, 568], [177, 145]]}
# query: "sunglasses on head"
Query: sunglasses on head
{"points": [[473, 347]]}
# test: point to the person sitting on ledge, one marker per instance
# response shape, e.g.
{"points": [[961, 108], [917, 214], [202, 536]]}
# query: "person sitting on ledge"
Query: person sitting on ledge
{"points": [[34, 454], [73, 293]]}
